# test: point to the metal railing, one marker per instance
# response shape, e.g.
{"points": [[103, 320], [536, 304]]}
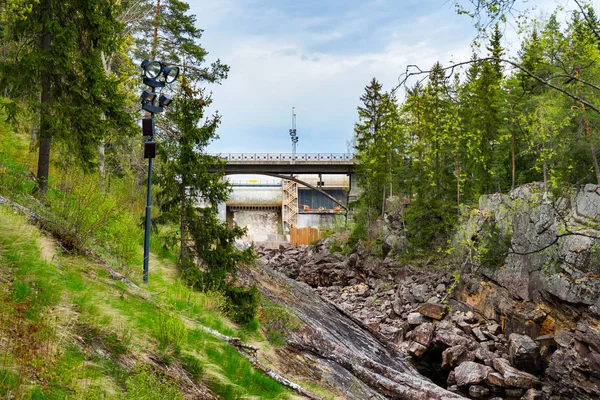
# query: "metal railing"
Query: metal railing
{"points": [[286, 157]]}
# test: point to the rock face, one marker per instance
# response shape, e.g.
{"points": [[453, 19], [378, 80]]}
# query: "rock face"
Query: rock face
{"points": [[547, 278], [392, 303], [342, 350], [507, 331]]}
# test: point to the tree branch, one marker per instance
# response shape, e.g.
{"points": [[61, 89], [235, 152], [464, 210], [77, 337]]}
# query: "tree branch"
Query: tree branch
{"points": [[402, 79]]}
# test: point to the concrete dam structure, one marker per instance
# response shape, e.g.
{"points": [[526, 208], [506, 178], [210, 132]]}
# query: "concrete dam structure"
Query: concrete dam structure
{"points": [[259, 205]]}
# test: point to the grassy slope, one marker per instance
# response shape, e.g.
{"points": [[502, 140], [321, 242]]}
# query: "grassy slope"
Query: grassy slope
{"points": [[68, 331]]}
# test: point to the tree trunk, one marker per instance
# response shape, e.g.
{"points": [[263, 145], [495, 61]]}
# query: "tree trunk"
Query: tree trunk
{"points": [[592, 149], [44, 132], [101, 163], [514, 168], [595, 160], [545, 171], [182, 245], [383, 202], [155, 38], [457, 156]]}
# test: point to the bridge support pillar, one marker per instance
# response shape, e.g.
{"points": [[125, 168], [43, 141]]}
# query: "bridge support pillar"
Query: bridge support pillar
{"points": [[222, 212], [355, 190]]}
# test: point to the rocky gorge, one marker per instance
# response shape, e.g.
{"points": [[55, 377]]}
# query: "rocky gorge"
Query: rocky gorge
{"points": [[512, 313]]}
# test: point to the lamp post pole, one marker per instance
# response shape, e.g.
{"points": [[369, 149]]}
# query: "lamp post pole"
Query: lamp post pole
{"points": [[156, 75], [149, 198]]}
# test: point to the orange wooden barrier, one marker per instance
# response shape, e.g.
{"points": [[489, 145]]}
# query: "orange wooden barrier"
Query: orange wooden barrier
{"points": [[299, 236]]}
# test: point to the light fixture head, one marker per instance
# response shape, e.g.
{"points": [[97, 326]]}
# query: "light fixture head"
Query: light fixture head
{"points": [[152, 69], [148, 96], [164, 100], [170, 73]]}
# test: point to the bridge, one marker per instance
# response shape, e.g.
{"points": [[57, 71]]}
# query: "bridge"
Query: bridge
{"points": [[287, 163], [288, 166]]}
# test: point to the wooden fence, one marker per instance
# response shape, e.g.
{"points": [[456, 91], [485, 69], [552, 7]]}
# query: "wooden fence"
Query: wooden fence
{"points": [[306, 235]]}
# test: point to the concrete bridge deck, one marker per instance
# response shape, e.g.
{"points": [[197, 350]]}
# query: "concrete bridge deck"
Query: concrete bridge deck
{"points": [[287, 163]]}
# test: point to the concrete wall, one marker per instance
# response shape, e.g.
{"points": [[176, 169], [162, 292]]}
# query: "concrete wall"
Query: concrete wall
{"points": [[255, 196], [316, 220], [263, 226]]}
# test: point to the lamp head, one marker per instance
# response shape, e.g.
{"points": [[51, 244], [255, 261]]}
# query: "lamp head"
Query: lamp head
{"points": [[164, 100], [152, 69], [170, 73], [148, 96]]}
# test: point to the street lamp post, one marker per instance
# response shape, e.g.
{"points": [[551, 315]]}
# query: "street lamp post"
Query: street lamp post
{"points": [[156, 75]]}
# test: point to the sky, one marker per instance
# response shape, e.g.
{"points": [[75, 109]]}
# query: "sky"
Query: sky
{"points": [[317, 56]]}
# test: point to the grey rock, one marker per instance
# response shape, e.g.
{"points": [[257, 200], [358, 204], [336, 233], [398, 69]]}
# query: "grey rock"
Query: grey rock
{"points": [[465, 327], [415, 319], [479, 391], [432, 310], [416, 349], [514, 392], [423, 334], [451, 379], [494, 328], [563, 338], [533, 394], [454, 356], [470, 317], [419, 292], [448, 336], [496, 379], [514, 377], [479, 335], [524, 353], [471, 373]]}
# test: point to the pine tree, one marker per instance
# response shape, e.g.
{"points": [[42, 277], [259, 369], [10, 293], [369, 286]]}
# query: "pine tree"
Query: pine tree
{"points": [[60, 73], [377, 140]]}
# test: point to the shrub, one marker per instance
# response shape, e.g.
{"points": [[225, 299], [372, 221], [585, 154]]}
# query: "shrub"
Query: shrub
{"points": [[277, 322], [170, 330], [146, 384], [243, 303]]}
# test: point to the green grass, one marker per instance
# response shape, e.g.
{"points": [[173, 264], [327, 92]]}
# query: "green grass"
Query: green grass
{"points": [[71, 332], [106, 315]]}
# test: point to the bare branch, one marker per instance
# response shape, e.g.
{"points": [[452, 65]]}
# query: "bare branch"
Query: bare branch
{"points": [[402, 79], [588, 19]]}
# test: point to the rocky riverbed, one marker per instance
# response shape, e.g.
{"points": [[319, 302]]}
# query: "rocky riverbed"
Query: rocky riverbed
{"points": [[475, 333]]}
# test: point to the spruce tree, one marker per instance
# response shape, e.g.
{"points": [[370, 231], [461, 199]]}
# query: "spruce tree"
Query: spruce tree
{"points": [[59, 72]]}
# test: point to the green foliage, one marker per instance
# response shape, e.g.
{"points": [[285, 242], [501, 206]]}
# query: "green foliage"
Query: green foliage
{"points": [[248, 380], [455, 138], [147, 384], [170, 330], [58, 75], [594, 260], [491, 244], [277, 322], [379, 143], [243, 303], [192, 365]]}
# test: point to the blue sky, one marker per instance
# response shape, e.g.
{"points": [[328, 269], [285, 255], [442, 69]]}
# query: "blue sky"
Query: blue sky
{"points": [[317, 56]]}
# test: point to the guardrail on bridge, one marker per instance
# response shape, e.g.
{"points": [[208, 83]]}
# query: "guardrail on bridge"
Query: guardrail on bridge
{"points": [[286, 157]]}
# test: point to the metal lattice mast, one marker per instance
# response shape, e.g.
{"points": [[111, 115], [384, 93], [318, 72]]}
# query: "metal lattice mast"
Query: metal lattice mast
{"points": [[290, 188], [290, 204]]}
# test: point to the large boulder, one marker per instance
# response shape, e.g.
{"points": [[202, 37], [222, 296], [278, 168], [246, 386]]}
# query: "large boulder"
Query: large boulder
{"points": [[524, 353], [471, 373], [454, 356]]}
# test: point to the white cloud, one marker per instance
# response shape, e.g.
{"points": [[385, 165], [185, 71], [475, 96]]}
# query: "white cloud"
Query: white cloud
{"points": [[319, 63]]}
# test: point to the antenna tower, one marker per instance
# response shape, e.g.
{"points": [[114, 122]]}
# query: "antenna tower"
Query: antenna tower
{"points": [[293, 133]]}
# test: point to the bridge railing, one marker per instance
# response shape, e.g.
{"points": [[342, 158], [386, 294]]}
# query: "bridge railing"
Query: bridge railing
{"points": [[286, 157]]}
